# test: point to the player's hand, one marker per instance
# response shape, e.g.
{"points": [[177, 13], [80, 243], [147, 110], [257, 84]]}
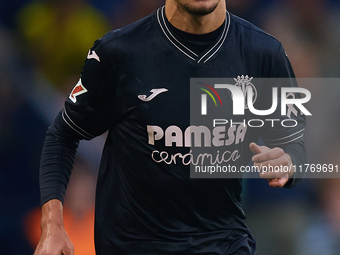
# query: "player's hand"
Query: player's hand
{"points": [[265, 158], [54, 241]]}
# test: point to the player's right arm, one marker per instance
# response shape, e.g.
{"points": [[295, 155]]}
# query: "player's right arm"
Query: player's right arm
{"points": [[87, 114], [54, 239]]}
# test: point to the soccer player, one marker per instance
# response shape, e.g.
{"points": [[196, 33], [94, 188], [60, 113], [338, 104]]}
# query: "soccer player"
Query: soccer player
{"points": [[136, 83]]}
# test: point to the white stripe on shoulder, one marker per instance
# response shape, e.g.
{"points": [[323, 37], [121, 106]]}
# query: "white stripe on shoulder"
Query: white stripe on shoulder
{"points": [[290, 141], [74, 126], [282, 138]]}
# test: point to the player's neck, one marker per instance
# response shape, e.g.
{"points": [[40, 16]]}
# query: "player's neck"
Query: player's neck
{"points": [[195, 24]]}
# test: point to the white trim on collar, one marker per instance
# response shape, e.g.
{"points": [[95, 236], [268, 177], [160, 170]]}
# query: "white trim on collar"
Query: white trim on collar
{"points": [[205, 56]]}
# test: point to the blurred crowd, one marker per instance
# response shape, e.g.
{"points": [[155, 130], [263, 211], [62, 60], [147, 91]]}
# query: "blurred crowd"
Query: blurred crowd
{"points": [[43, 44]]}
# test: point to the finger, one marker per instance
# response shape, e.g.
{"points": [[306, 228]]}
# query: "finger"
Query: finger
{"points": [[69, 250], [277, 164], [278, 182], [255, 148], [273, 175], [268, 155]]}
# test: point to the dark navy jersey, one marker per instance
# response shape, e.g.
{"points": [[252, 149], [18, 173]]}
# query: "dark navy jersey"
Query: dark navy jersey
{"points": [[135, 83]]}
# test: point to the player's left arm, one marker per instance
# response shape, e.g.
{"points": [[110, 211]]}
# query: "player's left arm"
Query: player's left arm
{"points": [[284, 145]]}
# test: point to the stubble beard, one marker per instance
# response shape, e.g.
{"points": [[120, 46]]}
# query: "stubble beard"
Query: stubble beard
{"points": [[198, 11]]}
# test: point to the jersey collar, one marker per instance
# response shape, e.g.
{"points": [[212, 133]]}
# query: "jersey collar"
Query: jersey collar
{"points": [[186, 52]]}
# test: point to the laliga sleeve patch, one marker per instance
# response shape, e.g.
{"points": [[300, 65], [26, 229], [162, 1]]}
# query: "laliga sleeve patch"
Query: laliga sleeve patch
{"points": [[93, 55], [77, 90]]}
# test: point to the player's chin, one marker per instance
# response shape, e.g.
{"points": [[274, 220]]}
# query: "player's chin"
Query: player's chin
{"points": [[203, 7]]}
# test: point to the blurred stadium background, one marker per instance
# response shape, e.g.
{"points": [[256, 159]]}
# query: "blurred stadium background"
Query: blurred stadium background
{"points": [[42, 47]]}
